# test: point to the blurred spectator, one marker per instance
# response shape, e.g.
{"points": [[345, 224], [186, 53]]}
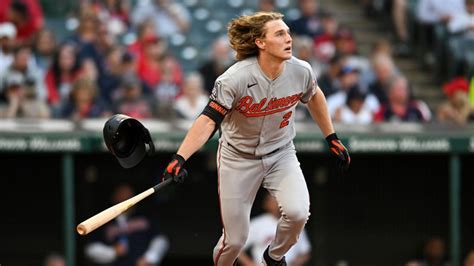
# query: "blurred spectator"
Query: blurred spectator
{"points": [[381, 46], [262, 232], [432, 12], [44, 47], [24, 65], [86, 31], [456, 109], [384, 70], [303, 49], [65, 69], [7, 35], [149, 62], [190, 104], [83, 102], [54, 259], [355, 111], [469, 260], [26, 15], [114, 12], [111, 79], [21, 101], [344, 41], [345, 45], [434, 254], [131, 100], [380, 51], [145, 33], [433, 16], [400, 107], [217, 64], [348, 79], [89, 70], [169, 17], [324, 43], [309, 23], [371, 7], [398, 12], [400, 21], [105, 39], [128, 64], [169, 87], [130, 239], [266, 6], [86, 38], [461, 45], [328, 81]]}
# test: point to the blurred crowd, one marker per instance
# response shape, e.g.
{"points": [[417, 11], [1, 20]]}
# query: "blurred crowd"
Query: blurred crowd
{"points": [[93, 71]]}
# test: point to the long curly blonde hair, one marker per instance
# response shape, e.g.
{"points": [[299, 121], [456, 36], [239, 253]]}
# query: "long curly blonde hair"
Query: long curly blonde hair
{"points": [[244, 30]]}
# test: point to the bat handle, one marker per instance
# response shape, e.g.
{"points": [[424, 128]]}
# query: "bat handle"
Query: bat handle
{"points": [[178, 179], [163, 184]]}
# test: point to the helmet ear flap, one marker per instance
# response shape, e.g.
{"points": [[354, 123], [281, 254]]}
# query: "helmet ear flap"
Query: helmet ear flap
{"points": [[148, 140], [126, 138]]}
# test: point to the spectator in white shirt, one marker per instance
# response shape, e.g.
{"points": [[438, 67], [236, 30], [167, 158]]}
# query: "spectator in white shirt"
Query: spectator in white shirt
{"points": [[262, 232], [436, 11], [434, 15], [7, 35], [354, 111], [461, 44], [463, 22], [169, 17], [349, 78], [193, 100]]}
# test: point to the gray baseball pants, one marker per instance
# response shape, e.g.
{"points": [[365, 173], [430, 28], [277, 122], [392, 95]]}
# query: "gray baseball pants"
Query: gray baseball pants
{"points": [[239, 178]]}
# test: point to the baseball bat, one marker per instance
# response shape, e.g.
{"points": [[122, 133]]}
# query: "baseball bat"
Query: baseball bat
{"points": [[106, 215]]}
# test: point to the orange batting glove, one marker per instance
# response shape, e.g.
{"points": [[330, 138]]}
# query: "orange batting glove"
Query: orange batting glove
{"points": [[340, 151], [175, 169]]}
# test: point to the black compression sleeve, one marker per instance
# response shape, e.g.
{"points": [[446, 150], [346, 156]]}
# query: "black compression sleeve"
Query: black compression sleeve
{"points": [[215, 111]]}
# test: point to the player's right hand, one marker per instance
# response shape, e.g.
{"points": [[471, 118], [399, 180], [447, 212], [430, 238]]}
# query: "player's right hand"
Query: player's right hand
{"points": [[175, 169], [340, 151]]}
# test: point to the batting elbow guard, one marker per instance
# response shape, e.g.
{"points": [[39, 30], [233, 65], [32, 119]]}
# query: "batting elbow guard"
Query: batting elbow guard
{"points": [[215, 111]]}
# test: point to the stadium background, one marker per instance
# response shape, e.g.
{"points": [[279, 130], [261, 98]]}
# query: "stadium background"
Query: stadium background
{"points": [[408, 182]]}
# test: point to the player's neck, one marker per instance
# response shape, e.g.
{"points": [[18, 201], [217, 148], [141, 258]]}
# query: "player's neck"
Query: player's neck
{"points": [[271, 66]]}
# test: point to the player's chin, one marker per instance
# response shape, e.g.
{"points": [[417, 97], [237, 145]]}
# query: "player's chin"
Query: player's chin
{"points": [[287, 55]]}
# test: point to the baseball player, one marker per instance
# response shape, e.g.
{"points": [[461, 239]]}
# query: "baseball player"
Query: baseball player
{"points": [[252, 105]]}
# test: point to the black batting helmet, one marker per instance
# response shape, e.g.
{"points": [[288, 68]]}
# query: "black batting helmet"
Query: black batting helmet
{"points": [[127, 139]]}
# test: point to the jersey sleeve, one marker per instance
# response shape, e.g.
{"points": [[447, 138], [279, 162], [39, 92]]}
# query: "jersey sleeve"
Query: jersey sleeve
{"points": [[311, 86], [224, 91]]}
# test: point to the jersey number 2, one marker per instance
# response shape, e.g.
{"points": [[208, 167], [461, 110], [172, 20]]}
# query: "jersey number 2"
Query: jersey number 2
{"points": [[285, 121]]}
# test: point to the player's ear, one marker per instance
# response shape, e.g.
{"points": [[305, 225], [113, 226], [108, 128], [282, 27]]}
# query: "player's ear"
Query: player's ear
{"points": [[260, 43]]}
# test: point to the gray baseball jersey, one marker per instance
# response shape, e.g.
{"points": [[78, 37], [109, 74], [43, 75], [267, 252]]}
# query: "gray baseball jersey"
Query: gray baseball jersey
{"points": [[261, 111]]}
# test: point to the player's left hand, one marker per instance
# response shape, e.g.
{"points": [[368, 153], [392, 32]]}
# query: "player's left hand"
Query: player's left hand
{"points": [[340, 151]]}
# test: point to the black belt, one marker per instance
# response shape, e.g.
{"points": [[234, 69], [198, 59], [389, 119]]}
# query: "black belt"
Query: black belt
{"points": [[265, 155], [274, 151]]}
